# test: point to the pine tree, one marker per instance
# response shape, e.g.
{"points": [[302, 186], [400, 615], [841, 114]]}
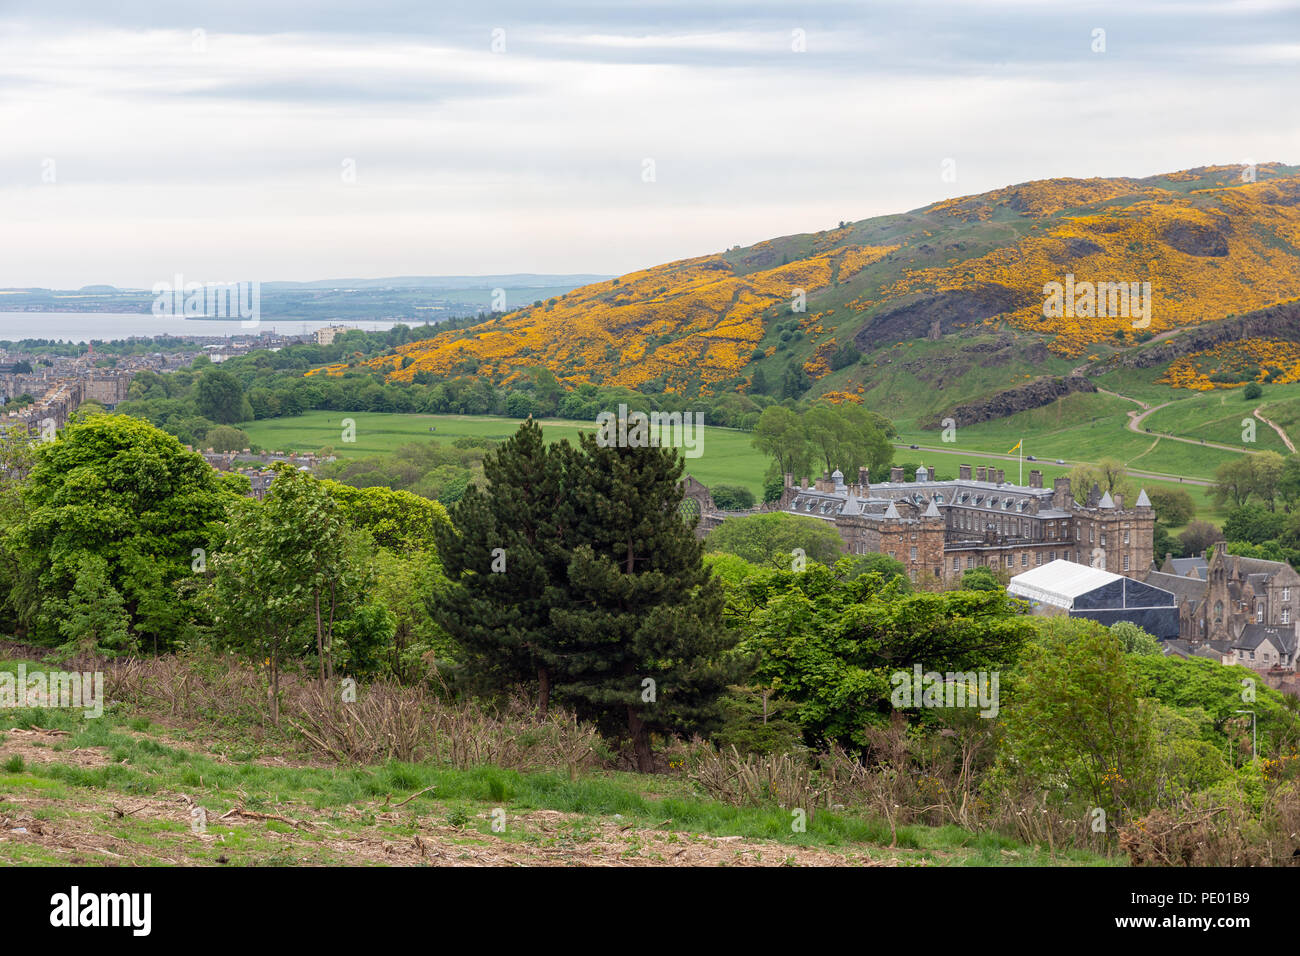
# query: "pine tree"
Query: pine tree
{"points": [[643, 647], [506, 561]]}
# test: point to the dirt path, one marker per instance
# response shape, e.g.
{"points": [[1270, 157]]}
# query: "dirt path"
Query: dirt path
{"points": [[1277, 428]]}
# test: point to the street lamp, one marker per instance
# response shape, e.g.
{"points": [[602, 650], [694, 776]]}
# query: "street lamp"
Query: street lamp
{"points": [[1254, 739]]}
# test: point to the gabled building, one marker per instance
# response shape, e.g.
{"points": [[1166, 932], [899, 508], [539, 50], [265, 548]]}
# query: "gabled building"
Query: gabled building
{"points": [[1262, 647], [940, 529], [1244, 607]]}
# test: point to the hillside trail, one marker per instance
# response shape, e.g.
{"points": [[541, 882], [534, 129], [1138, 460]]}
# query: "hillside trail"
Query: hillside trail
{"points": [[1277, 428], [1138, 415]]}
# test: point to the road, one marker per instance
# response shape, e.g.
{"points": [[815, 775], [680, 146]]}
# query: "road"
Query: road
{"points": [[1154, 475]]}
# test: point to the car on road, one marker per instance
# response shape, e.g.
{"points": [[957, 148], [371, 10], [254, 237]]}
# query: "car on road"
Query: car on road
{"points": [[1060, 461], [914, 447], [1030, 458]]}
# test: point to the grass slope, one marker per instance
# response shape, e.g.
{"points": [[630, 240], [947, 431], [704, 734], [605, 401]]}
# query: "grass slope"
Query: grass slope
{"points": [[123, 790]]}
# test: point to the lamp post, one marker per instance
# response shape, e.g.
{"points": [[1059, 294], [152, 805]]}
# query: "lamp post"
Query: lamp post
{"points": [[1254, 739]]}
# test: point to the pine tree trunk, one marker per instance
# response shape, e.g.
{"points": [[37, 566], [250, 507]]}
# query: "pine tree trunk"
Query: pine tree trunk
{"points": [[640, 734], [543, 692]]}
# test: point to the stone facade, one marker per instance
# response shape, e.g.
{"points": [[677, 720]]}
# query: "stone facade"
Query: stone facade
{"points": [[940, 529], [1243, 609]]}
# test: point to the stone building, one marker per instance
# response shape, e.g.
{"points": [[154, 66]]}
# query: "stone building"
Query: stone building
{"points": [[1243, 609], [940, 529]]}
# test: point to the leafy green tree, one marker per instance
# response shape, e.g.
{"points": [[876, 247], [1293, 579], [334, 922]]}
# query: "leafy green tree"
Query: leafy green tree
{"points": [[219, 396], [732, 497], [227, 438], [1075, 722], [124, 491], [780, 434], [93, 618], [644, 648], [833, 646], [980, 579], [891, 569], [1134, 639], [1253, 524], [1234, 481], [771, 538], [1252, 391], [1198, 536], [1173, 506], [397, 520], [773, 488], [285, 577], [1109, 475]]}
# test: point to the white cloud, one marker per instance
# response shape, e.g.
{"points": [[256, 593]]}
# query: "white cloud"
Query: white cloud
{"points": [[227, 160]]}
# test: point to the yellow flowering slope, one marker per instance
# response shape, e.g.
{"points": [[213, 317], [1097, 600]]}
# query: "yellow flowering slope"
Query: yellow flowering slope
{"points": [[693, 320], [1211, 242], [1236, 363]]}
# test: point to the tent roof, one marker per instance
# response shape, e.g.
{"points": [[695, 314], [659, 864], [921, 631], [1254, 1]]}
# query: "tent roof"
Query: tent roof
{"points": [[1059, 582]]}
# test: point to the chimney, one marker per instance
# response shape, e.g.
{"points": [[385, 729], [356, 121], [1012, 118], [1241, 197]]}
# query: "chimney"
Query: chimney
{"points": [[789, 479], [803, 484], [1062, 496], [963, 472], [895, 475], [1119, 502], [1035, 478], [982, 473], [1001, 476], [863, 478]]}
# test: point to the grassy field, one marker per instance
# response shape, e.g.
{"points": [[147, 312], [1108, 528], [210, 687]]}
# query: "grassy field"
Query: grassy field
{"points": [[134, 788], [728, 457]]}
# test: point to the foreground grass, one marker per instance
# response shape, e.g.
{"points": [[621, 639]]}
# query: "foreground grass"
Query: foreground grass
{"points": [[122, 788]]}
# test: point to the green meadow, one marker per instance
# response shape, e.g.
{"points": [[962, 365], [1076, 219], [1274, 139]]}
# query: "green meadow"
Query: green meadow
{"points": [[727, 455]]}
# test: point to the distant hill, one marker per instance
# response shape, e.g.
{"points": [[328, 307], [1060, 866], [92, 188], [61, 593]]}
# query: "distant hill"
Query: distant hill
{"points": [[965, 274], [516, 280], [410, 299]]}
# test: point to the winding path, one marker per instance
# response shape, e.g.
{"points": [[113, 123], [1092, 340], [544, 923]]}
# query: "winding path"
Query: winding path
{"points": [[1277, 428]]}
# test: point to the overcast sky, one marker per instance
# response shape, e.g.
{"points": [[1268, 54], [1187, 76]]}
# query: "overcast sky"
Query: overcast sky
{"points": [[255, 139]]}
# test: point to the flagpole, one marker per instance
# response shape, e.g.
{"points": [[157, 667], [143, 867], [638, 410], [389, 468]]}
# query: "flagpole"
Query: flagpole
{"points": [[1021, 446]]}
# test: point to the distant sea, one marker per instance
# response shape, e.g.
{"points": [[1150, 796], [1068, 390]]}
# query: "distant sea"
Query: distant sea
{"points": [[84, 326]]}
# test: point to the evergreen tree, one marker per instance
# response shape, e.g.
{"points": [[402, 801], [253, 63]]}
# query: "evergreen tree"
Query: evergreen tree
{"points": [[506, 560], [643, 647]]}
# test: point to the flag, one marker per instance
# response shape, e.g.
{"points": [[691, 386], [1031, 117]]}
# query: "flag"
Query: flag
{"points": [[1018, 444]]}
